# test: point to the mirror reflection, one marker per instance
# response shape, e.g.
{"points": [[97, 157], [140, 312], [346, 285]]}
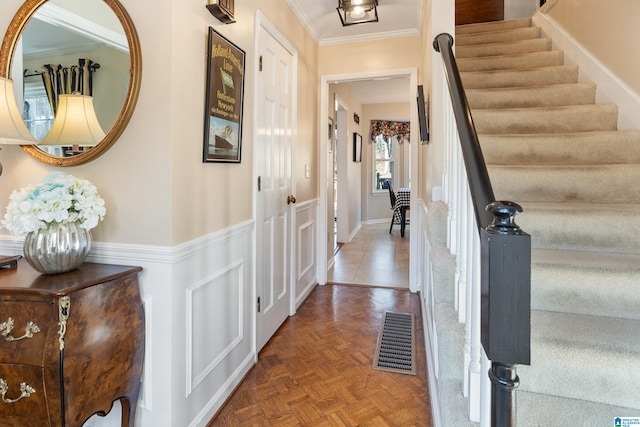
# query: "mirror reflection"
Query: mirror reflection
{"points": [[74, 64]]}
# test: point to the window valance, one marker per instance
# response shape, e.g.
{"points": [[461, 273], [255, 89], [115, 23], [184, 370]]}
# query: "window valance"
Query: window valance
{"points": [[389, 129]]}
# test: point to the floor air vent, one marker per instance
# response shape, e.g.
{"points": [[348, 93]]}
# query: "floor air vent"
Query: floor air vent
{"points": [[395, 351]]}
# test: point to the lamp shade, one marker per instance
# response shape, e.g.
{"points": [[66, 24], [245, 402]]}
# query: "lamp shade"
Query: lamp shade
{"points": [[75, 123], [357, 11], [12, 128]]}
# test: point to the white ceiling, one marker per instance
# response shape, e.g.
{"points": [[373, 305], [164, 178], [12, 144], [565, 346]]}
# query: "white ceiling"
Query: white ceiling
{"points": [[397, 18]]}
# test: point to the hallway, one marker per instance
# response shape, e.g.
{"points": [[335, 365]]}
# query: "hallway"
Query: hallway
{"points": [[374, 257], [317, 368]]}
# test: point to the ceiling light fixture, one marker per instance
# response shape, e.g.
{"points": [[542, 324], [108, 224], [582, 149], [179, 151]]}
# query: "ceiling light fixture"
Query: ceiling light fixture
{"points": [[357, 11]]}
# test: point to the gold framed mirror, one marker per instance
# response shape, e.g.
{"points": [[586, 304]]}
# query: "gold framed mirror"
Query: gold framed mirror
{"points": [[12, 43]]}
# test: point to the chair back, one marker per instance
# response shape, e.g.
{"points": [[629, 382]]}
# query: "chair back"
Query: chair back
{"points": [[392, 196]]}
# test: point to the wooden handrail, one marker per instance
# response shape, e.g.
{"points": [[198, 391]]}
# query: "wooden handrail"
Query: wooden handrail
{"points": [[479, 182]]}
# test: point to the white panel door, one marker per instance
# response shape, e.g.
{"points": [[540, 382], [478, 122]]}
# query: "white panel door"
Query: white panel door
{"points": [[274, 213]]}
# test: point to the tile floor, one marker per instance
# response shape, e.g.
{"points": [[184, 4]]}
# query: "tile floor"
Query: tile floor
{"points": [[374, 257]]}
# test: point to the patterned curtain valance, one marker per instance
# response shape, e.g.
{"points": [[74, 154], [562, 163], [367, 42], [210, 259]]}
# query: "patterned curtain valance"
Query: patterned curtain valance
{"points": [[388, 129]]}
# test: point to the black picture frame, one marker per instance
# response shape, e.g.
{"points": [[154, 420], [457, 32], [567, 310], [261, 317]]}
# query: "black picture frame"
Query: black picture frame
{"points": [[423, 119], [357, 147], [224, 100]]}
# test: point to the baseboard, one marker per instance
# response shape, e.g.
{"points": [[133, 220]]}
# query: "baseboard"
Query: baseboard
{"points": [[224, 394], [305, 294]]}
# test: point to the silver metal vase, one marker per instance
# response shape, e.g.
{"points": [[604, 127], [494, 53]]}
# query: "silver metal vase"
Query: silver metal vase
{"points": [[58, 248]]}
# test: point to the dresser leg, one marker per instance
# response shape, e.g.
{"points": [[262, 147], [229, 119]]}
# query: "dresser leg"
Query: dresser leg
{"points": [[128, 412]]}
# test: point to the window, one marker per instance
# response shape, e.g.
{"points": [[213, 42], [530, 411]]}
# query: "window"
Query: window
{"points": [[37, 113], [383, 163]]}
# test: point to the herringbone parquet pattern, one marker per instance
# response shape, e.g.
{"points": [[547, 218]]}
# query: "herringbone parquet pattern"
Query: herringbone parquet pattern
{"points": [[317, 369]]}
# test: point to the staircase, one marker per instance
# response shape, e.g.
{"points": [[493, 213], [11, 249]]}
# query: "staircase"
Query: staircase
{"points": [[553, 150]]}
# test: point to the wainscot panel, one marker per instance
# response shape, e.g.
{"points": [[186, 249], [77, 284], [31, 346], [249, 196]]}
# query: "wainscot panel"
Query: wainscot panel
{"points": [[305, 263]]}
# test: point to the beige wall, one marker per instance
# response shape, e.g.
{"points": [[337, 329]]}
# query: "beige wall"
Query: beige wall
{"points": [[156, 188], [609, 30], [425, 158], [376, 55]]}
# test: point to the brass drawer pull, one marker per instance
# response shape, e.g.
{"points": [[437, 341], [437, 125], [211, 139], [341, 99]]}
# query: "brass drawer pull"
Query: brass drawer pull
{"points": [[7, 327], [25, 391]]}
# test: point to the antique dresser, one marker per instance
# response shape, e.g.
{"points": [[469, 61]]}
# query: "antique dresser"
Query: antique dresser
{"points": [[70, 344]]}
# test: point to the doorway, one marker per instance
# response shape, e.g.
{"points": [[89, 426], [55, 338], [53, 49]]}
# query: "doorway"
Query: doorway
{"points": [[323, 220]]}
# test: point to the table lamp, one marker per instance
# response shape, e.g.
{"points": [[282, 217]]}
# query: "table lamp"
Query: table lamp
{"points": [[75, 124], [13, 131]]}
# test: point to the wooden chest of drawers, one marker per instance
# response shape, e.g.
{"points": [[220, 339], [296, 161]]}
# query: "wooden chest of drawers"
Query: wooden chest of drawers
{"points": [[70, 344]]}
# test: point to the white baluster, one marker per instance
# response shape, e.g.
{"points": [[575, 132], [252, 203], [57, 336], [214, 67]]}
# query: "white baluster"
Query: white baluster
{"points": [[475, 390], [471, 230], [485, 384], [463, 239]]}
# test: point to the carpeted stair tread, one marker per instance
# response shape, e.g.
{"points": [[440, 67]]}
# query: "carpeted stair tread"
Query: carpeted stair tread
{"points": [[506, 48], [450, 340], [590, 227], [557, 74], [512, 34], [573, 118], [533, 96], [535, 409], [491, 26], [569, 183], [588, 283], [584, 357], [581, 148], [547, 58], [456, 407]]}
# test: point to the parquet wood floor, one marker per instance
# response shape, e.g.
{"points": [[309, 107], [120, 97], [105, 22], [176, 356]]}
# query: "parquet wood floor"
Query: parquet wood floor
{"points": [[317, 369]]}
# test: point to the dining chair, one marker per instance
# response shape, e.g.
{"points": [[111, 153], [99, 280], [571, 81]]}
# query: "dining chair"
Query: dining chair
{"points": [[395, 219]]}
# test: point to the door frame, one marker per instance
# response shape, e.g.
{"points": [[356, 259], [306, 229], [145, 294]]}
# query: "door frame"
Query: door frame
{"points": [[341, 151], [261, 21], [321, 241]]}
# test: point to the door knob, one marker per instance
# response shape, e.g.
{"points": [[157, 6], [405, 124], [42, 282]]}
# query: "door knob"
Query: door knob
{"points": [[291, 199]]}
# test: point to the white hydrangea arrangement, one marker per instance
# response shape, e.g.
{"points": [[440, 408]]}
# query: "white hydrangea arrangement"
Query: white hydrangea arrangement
{"points": [[59, 197]]}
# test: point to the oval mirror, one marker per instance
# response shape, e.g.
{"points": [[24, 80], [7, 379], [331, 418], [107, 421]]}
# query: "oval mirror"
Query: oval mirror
{"points": [[52, 37]]}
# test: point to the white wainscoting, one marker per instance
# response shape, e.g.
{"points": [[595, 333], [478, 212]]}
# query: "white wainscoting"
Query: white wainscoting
{"points": [[214, 327], [199, 302], [305, 263]]}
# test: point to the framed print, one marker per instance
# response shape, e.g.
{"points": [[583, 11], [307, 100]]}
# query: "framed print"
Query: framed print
{"points": [[357, 147], [224, 100]]}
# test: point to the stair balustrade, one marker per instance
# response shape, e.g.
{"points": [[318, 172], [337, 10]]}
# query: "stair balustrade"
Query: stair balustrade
{"points": [[493, 262]]}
